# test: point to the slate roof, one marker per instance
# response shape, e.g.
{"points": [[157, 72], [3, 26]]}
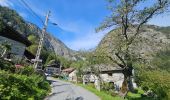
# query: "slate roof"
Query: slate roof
{"points": [[103, 68], [68, 70]]}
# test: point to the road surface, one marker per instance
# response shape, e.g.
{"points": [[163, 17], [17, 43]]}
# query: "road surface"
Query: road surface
{"points": [[68, 91]]}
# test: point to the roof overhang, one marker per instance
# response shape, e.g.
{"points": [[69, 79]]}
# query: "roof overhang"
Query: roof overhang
{"points": [[12, 34]]}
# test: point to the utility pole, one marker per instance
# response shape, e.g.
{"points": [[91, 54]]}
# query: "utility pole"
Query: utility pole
{"points": [[40, 45]]}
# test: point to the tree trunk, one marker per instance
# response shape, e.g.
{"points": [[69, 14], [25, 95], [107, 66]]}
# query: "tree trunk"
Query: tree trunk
{"points": [[127, 84]]}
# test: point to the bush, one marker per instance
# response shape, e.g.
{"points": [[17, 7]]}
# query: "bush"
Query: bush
{"points": [[22, 87], [7, 66], [28, 70], [108, 87], [156, 81]]}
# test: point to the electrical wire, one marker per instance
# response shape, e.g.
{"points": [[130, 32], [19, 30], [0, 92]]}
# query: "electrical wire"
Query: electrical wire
{"points": [[34, 13], [31, 10]]}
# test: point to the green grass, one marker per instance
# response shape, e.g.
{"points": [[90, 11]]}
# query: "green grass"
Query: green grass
{"points": [[103, 95], [133, 95]]}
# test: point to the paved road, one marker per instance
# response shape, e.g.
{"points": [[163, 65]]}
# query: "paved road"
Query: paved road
{"points": [[67, 91]]}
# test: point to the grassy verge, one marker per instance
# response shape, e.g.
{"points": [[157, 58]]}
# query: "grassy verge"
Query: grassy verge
{"points": [[103, 95]]}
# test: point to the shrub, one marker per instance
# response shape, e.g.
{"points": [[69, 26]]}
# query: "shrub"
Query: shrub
{"points": [[7, 66], [156, 81], [22, 87], [108, 87], [29, 70]]}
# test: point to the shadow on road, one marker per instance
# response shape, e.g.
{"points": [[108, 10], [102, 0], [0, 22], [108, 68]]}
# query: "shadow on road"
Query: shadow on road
{"points": [[51, 81], [78, 98], [54, 94]]}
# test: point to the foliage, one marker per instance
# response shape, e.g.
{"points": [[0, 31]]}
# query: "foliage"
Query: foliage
{"points": [[28, 70], [65, 62], [132, 96], [154, 75], [108, 88], [33, 48], [1, 24], [44, 55], [138, 95], [7, 66], [33, 38], [21, 83], [24, 85], [157, 81], [52, 56]]}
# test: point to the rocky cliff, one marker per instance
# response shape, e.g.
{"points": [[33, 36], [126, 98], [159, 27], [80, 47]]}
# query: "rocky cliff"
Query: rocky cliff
{"points": [[151, 40]]}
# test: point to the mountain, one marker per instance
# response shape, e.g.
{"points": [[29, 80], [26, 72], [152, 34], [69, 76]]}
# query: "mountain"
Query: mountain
{"points": [[12, 18], [152, 39], [53, 43]]}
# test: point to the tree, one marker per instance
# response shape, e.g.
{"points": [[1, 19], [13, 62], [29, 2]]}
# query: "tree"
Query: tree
{"points": [[127, 19], [157, 81]]}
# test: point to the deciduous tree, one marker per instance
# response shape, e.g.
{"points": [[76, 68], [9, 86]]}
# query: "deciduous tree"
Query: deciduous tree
{"points": [[127, 18]]}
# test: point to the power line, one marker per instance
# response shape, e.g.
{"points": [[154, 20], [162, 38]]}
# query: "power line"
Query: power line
{"points": [[34, 14], [32, 11]]}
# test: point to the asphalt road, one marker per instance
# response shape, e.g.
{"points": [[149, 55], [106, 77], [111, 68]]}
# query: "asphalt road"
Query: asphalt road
{"points": [[67, 91]]}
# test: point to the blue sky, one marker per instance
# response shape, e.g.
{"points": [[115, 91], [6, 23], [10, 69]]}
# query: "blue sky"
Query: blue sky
{"points": [[77, 19]]}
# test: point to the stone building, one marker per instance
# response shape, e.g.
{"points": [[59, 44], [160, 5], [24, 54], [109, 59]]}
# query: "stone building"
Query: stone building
{"points": [[70, 73], [104, 73]]}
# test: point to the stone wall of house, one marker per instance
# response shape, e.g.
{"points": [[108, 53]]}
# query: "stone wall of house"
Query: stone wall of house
{"points": [[72, 76], [118, 79], [107, 78], [17, 48]]}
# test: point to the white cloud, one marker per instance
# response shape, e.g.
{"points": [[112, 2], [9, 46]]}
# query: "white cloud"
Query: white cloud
{"points": [[86, 42], [6, 3]]}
